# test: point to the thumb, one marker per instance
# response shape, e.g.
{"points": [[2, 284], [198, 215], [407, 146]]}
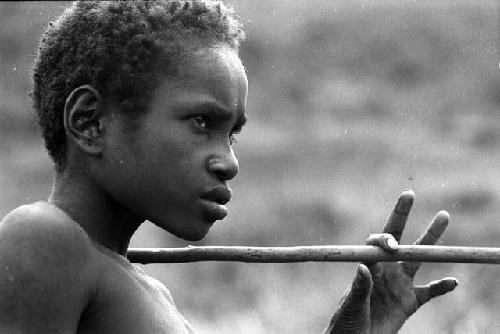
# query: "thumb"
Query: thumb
{"points": [[353, 315], [358, 297]]}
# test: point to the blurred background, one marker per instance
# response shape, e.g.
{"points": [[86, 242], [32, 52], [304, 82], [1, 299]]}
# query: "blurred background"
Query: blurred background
{"points": [[350, 103]]}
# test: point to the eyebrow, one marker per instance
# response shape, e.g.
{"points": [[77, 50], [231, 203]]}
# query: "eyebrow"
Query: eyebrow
{"points": [[219, 111]]}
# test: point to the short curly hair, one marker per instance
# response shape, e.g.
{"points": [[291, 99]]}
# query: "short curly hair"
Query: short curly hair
{"points": [[123, 49]]}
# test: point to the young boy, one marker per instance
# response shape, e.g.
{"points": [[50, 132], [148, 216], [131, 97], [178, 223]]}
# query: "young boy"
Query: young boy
{"points": [[139, 103]]}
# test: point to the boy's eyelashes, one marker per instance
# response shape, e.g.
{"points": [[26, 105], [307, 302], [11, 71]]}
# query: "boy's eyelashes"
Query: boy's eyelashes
{"points": [[206, 124], [200, 122], [232, 137]]}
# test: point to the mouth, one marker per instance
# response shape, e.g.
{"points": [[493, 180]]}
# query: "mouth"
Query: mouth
{"points": [[214, 202]]}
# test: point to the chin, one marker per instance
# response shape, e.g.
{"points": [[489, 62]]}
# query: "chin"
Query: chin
{"points": [[192, 235], [190, 232]]}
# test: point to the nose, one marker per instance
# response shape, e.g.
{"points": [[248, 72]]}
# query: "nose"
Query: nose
{"points": [[224, 166]]}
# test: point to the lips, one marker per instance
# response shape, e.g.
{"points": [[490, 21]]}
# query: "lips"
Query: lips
{"points": [[214, 202], [219, 195]]}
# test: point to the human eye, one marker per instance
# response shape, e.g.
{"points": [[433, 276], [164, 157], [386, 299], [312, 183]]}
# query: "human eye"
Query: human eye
{"points": [[201, 122], [233, 137]]}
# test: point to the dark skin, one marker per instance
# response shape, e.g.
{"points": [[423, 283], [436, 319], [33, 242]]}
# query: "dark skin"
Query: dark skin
{"points": [[174, 154], [172, 167], [383, 296]]}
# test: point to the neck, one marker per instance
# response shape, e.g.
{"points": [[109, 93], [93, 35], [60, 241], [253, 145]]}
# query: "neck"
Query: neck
{"points": [[104, 219]]}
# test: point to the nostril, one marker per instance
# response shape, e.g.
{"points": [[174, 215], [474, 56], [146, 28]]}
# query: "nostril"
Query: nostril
{"points": [[224, 169], [223, 176]]}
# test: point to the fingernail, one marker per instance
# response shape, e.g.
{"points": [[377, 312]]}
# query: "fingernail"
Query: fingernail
{"points": [[392, 243], [360, 271], [408, 192], [405, 202], [361, 274], [443, 215], [455, 281]]}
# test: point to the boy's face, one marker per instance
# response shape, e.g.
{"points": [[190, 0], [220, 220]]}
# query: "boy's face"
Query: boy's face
{"points": [[174, 167]]}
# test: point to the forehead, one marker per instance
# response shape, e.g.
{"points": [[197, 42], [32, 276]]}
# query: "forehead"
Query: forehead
{"points": [[214, 61], [218, 72], [213, 77]]}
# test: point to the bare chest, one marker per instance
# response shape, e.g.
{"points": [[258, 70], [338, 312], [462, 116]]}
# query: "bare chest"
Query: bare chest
{"points": [[130, 302]]}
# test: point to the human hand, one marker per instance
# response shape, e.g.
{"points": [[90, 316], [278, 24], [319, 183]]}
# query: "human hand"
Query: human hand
{"points": [[382, 295]]}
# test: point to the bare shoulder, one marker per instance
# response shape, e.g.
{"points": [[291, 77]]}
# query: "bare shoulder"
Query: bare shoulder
{"points": [[44, 269], [42, 230]]}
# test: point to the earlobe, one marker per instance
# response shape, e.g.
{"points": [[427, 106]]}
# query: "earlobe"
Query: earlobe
{"points": [[83, 119]]}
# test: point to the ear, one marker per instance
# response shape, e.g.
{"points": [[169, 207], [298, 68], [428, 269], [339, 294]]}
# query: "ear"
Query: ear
{"points": [[83, 119]]}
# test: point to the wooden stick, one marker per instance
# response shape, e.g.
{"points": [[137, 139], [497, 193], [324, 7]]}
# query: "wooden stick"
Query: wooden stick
{"points": [[345, 253]]}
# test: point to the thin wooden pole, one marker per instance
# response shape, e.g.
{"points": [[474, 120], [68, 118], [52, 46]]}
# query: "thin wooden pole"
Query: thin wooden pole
{"points": [[347, 253]]}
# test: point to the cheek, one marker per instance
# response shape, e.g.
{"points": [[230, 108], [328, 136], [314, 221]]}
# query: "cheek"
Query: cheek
{"points": [[121, 174], [160, 162], [168, 164], [169, 157]]}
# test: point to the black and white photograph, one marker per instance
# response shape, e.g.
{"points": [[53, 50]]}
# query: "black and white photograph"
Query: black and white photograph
{"points": [[250, 167]]}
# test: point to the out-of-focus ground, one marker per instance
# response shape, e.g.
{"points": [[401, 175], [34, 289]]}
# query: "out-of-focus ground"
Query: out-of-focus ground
{"points": [[349, 104]]}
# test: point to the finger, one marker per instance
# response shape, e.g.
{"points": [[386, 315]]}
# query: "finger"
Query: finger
{"points": [[361, 287], [429, 237], [383, 240], [435, 229], [435, 289], [397, 221], [353, 315]]}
